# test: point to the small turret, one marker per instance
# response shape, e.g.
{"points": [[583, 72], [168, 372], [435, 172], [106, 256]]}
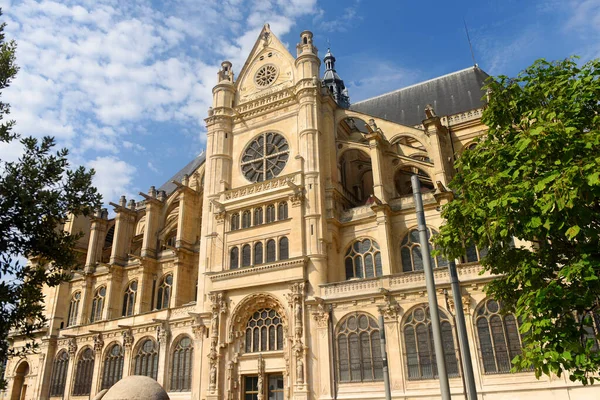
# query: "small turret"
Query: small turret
{"points": [[333, 81]]}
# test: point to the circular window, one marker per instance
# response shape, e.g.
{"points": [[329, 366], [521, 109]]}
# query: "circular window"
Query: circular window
{"points": [[265, 75], [265, 157]]}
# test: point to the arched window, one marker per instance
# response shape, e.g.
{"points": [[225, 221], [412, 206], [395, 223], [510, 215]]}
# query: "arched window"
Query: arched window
{"points": [[129, 299], [74, 309], [270, 213], [258, 216], [181, 367], [171, 239], [363, 260], [234, 255], [498, 337], [283, 211], [146, 359], [84, 372], [420, 352], [284, 248], [59, 374], [235, 222], [164, 292], [473, 253], [246, 256], [359, 349], [264, 331], [113, 366], [411, 255], [270, 250], [98, 304], [246, 217], [258, 253]]}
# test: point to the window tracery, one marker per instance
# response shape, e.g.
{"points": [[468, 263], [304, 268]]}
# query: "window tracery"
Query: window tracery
{"points": [[359, 349], [265, 157], [59, 374], [164, 292], [420, 351], [84, 373], [264, 331], [363, 260], [129, 299], [181, 365], [498, 337], [98, 304], [74, 309], [113, 366], [411, 254], [146, 359]]}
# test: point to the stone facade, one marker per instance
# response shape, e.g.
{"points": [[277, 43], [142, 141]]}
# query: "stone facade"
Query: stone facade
{"points": [[262, 270]]}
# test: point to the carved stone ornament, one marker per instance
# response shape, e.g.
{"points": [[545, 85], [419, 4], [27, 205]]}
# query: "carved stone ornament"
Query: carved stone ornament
{"points": [[98, 343], [390, 309], [320, 315], [261, 373], [162, 333], [72, 346], [127, 338], [220, 217], [296, 199], [199, 330]]}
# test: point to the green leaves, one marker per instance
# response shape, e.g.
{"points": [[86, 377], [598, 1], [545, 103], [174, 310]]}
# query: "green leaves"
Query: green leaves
{"points": [[535, 176]]}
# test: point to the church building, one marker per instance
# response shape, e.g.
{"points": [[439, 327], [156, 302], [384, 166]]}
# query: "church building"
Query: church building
{"points": [[260, 270]]}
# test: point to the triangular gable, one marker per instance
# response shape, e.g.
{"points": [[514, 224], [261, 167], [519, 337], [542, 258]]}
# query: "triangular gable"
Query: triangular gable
{"points": [[268, 50]]}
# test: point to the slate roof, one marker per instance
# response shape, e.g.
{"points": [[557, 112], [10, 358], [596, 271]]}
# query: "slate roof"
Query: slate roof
{"points": [[189, 169], [448, 94]]}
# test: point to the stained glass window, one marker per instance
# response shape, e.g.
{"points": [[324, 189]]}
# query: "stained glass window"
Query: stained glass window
{"points": [[181, 367], [363, 260], [264, 331], [359, 349], [84, 372], [411, 255]]}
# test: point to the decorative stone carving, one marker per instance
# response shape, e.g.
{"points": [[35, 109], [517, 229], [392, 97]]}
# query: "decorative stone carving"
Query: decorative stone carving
{"points": [[219, 306], [296, 199], [127, 339], [391, 308], [320, 315], [98, 343], [72, 346], [261, 373], [220, 217], [162, 333]]}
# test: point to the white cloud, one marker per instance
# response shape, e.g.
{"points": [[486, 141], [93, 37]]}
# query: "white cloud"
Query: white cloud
{"points": [[152, 167], [113, 177]]}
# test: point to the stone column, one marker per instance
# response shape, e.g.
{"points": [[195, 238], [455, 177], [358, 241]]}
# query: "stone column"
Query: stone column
{"points": [[390, 311], [299, 377], [124, 231], [98, 347], [72, 348], [441, 147], [96, 243], [114, 294], [375, 143], [218, 307], [199, 330], [153, 207], [127, 350], [87, 295], [321, 351], [163, 335]]}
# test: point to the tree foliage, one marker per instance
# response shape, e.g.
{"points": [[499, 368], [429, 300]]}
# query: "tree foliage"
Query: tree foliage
{"points": [[37, 194], [535, 176]]}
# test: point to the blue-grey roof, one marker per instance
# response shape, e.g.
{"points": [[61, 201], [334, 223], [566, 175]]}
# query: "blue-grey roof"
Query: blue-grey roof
{"points": [[189, 169], [449, 94]]}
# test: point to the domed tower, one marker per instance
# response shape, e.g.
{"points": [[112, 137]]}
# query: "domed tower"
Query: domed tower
{"points": [[333, 81]]}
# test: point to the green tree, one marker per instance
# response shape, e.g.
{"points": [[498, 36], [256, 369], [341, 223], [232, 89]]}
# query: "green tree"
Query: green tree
{"points": [[37, 194], [535, 176]]}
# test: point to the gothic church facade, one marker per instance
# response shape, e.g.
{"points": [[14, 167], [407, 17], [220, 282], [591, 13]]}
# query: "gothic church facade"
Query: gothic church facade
{"points": [[260, 270]]}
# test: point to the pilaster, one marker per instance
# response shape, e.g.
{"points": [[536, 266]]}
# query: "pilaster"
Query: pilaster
{"points": [[97, 235], [72, 348], [124, 230], [163, 335], [98, 347], [153, 208], [127, 351], [321, 352]]}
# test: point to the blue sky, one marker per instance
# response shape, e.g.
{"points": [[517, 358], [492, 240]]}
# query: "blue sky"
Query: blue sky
{"points": [[125, 85]]}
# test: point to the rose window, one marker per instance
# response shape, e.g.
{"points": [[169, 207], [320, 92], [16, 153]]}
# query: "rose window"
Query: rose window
{"points": [[266, 75], [265, 157]]}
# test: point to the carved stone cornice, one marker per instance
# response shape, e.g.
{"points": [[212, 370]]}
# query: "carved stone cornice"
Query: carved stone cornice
{"points": [[98, 343], [320, 315]]}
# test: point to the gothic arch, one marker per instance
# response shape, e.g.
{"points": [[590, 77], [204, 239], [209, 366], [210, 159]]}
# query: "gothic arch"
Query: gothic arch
{"points": [[108, 347], [348, 146], [421, 139], [245, 308]]}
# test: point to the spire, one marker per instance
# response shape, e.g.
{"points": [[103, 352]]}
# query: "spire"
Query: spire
{"points": [[333, 81]]}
